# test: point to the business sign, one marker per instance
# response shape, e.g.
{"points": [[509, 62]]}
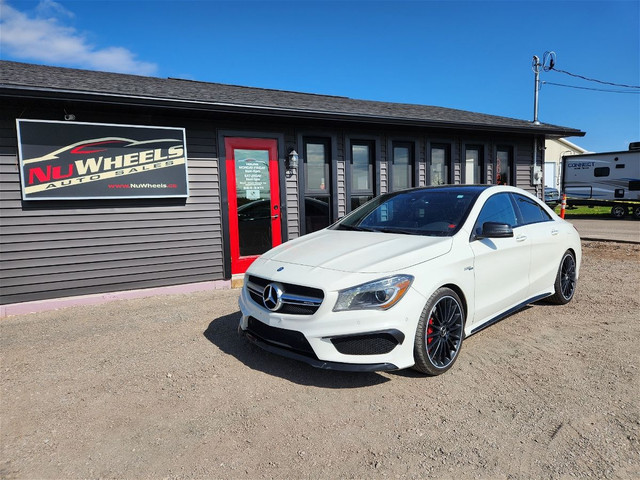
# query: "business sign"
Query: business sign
{"points": [[72, 161], [252, 173]]}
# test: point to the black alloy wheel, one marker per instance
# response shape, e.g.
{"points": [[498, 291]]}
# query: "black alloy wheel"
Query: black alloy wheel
{"points": [[440, 333], [565, 285]]}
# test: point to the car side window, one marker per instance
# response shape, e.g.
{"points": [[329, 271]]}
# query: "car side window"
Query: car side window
{"points": [[497, 208], [530, 211]]}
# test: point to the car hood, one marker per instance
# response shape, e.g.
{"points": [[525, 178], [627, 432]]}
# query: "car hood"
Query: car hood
{"points": [[362, 252]]}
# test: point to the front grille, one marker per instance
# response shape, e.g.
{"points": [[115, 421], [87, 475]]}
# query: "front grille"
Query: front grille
{"points": [[280, 337], [296, 299], [369, 344]]}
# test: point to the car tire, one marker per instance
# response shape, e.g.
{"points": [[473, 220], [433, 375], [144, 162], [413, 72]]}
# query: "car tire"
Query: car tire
{"points": [[565, 284], [636, 212], [619, 211], [440, 333]]}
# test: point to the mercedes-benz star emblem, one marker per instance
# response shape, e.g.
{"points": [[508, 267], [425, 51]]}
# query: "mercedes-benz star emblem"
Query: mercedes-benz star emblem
{"points": [[272, 297]]}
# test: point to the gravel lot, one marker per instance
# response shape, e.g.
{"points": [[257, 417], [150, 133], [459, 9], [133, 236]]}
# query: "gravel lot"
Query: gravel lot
{"points": [[163, 387]]}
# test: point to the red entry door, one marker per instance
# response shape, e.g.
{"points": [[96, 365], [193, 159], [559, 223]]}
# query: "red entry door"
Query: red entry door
{"points": [[253, 195]]}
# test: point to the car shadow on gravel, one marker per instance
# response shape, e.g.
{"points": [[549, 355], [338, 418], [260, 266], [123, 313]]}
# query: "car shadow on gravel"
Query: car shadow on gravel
{"points": [[223, 333]]}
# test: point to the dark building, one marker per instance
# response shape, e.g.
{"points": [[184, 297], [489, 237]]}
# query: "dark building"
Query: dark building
{"points": [[244, 187]]}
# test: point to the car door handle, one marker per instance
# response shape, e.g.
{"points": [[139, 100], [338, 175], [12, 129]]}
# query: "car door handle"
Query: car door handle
{"points": [[521, 238], [554, 232], [274, 217]]}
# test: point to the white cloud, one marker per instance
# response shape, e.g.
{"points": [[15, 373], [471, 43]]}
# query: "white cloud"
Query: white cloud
{"points": [[44, 38], [49, 8]]}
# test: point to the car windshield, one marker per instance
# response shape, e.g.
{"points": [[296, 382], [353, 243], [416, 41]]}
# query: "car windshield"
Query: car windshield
{"points": [[438, 211]]}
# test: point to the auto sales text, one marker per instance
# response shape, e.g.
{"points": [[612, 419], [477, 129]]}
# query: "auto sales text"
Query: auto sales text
{"points": [[41, 178]]}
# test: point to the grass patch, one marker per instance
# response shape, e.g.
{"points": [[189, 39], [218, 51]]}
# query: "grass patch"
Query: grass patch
{"points": [[585, 210]]}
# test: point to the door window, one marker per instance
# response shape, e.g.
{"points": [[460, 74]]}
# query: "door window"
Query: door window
{"points": [[499, 209], [253, 196]]}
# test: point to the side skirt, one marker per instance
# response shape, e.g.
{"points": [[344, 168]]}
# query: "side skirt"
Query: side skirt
{"points": [[496, 319]]}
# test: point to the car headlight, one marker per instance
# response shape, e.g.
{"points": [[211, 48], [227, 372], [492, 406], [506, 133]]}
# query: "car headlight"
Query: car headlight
{"points": [[378, 295]]}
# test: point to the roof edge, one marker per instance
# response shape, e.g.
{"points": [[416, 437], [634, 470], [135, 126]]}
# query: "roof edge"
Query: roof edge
{"points": [[66, 94]]}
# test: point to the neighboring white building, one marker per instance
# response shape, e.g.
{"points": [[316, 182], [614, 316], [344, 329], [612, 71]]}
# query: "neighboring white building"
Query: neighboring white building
{"points": [[555, 149]]}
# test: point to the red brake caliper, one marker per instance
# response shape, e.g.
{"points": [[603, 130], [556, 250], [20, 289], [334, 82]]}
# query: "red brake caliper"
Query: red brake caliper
{"points": [[429, 330]]}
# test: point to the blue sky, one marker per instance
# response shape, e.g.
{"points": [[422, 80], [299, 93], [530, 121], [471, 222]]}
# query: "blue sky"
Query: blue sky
{"points": [[473, 55]]}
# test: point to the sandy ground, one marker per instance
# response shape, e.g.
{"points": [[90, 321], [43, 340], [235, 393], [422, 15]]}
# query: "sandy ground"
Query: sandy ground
{"points": [[164, 388]]}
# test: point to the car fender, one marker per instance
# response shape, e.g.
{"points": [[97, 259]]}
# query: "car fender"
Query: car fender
{"points": [[454, 269]]}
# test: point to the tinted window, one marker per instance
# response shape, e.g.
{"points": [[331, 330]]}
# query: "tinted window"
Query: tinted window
{"points": [[317, 213], [601, 172], [530, 211], [434, 212], [497, 208], [255, 210]]}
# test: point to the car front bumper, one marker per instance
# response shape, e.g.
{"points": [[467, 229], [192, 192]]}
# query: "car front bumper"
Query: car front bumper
{"points": [[356, 340]]}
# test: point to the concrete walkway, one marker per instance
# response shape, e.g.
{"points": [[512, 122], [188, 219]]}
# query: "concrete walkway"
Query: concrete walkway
{"points": [[626, 230]]}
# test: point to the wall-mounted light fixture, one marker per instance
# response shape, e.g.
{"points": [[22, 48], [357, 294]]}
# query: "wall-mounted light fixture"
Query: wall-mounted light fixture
{"points": [[292, 160]]}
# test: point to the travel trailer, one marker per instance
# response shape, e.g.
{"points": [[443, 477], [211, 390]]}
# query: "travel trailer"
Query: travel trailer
{"points": [[609, 179]]}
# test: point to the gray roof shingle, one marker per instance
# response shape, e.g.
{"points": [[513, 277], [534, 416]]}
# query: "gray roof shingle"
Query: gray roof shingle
{"points": [[214, 96]]}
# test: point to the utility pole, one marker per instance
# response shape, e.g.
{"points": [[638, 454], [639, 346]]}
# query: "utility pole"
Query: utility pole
{"points": [[535, 169], [548, 61], [536, 87]]}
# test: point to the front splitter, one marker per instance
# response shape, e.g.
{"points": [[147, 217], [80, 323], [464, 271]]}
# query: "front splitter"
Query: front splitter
{"points": [[345, 367]]}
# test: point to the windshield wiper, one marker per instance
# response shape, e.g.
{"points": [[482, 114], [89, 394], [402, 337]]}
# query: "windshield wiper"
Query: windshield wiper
{"points": [[398, 230], [355, 228]]}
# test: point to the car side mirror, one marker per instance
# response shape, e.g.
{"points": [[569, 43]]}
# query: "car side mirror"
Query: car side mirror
{"points": [[495, 230]]}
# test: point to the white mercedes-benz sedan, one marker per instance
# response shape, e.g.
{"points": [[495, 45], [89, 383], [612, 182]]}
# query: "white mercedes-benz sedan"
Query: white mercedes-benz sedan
{"points": [[402, 280]]}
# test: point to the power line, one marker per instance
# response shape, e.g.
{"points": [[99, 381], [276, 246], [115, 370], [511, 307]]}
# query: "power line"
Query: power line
{"points": [[593, 89], [593, 79], [549, 64]]}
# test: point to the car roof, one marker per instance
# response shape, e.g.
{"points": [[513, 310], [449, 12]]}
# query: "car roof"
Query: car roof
{"points": [[471, 188]]}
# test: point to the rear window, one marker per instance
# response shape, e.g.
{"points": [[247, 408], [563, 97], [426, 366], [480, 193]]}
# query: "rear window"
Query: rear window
{"points": [[530, 211]]}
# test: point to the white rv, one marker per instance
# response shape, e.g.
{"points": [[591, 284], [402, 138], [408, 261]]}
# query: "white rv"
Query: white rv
{"points": [[607, 179]]}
